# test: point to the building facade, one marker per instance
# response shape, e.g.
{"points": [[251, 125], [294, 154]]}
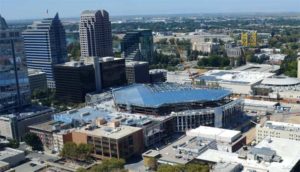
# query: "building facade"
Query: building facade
{"points": [[274, 129], [37, 80], [16, 126], [73, 81], [111, 141], [14, 83], [138, 45], [95, 34], [45, 46], [137, 72]]}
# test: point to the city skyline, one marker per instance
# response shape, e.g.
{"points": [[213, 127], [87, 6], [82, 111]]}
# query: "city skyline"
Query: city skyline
{"points": [[136, 7]]}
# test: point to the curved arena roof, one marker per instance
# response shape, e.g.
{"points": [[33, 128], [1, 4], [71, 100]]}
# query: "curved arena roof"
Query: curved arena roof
{"points": [[156, 95], [280, 81]]}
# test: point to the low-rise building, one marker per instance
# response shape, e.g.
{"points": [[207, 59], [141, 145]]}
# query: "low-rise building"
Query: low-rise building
{"points": [[111, 140], [12, 156], [46, 130], [240, 82], [278, 130], [15, 126], [228, 140], [271, 154], [181, 152], [205, 47]]}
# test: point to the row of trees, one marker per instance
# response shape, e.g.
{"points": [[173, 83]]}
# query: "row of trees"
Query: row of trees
{"points": [[193, 167], [214, 61], [107, 165]]}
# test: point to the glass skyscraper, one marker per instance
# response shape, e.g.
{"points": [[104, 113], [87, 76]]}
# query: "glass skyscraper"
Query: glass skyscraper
{"points": [[45, 46], [138, 45], [14, 83]]}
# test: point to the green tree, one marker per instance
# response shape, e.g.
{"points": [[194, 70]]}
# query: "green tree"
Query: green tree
{"points": [[170, 168], [197, 168], [83, 151], [108, 165], [69, 151], [13, 143], [34, 141]]}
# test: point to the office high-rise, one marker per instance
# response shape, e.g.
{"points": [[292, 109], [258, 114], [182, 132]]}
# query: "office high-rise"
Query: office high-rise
{"points": [[138, 45], [45, 46], [14, 84], [95, 34], [73, 81]]}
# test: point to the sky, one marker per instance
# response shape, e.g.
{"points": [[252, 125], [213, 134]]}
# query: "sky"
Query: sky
{"points": [[34, 9]]}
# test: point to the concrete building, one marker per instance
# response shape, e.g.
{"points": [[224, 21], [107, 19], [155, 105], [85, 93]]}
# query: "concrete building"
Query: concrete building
{"points": [[137, 72], [271, 154], [240, 82], [46, 130], [111, 140], [278, 130], [50, 35], [12, 156], [37, 80], [180, 152], [138, 45], [205, 47], [234, 52], [95, 34], [228, 140], [15, 126], [73, 81], [14, 84]]}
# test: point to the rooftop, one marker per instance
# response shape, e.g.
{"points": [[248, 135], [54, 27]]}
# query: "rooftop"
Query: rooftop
{"points": [[49, 126], [282, 126], [109, 132], [219, 134], [89, 114], [135, 63], [184, 150], [156, 95], [9, 152], [251, 67], [280, 81], [288, 154], [234, 76], [32, 72]]}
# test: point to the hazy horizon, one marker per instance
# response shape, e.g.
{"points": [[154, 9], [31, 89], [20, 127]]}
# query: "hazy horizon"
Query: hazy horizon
{"points": [[30, 9]]}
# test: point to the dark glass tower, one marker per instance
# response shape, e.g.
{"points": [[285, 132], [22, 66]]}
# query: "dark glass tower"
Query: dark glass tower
{"points": [[138, 45], [14, 83]]}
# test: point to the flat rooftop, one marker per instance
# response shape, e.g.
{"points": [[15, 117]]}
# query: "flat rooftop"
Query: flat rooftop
{"points": [[48, 126], [251, 67], [89, 114], [282, 126], [109, 132], [9, 152], [234, 77], [29, 166], [215, 133], [156, 95], [135, 63], [289, 154], [183, 151]]}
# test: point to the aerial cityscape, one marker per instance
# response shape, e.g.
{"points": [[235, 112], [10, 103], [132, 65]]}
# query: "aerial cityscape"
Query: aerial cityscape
{"points": [[150, 86]]}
